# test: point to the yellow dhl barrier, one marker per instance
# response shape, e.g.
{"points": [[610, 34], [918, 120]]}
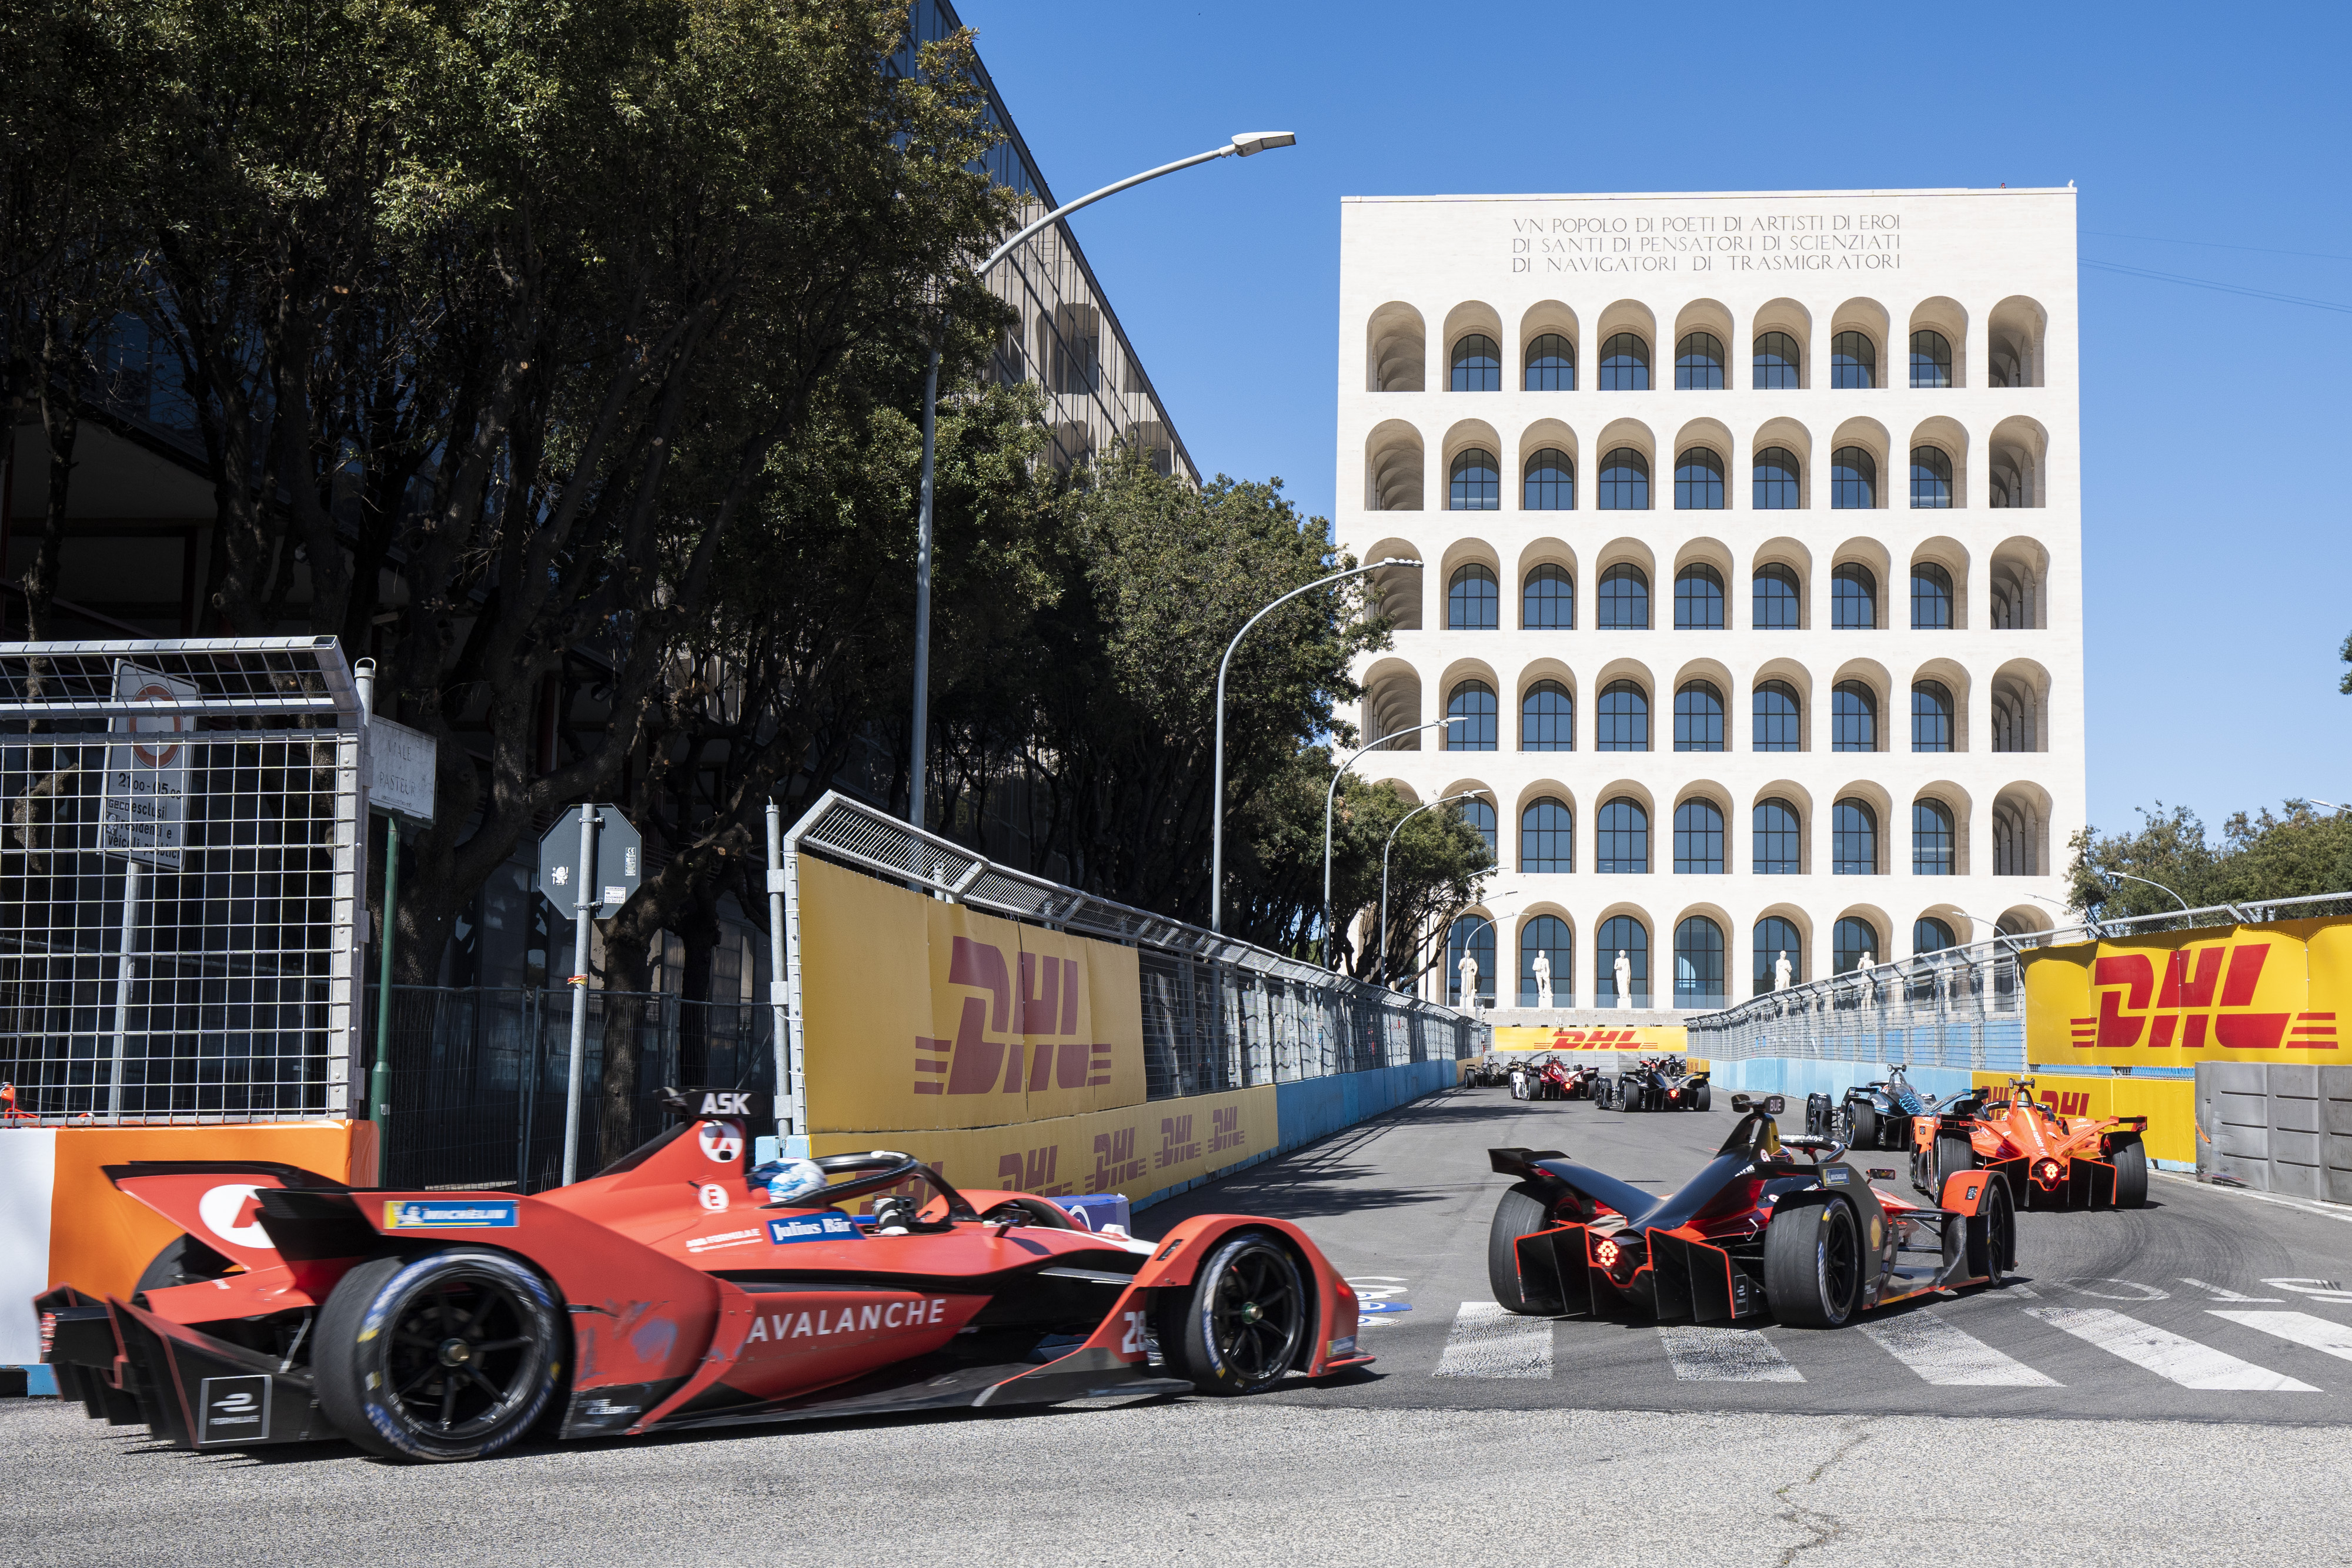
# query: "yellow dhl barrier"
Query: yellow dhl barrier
{"points": [[2233, 993], [1659, 1040], [2168, 1103]]}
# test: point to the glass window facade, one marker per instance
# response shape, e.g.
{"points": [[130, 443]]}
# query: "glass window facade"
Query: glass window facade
{"points": [[1548, 718], [1476, 482], [1547, 602], [1699, 600], [1934, 849], [1854, 479], [1776, 480], [1624, 718], [1851, 942], [1698, 362], [1931, 478], [1551, 364], [1624, 481], [1776, 606], [1777, 937], [1931, 717], [1775, 365], [1621, 934], [1551, 483], [1931, 598], [1624, 599], [1853, 839], [1472, 599], [1778, 845], [1548, 936], [1698, 481], [1621, 845], [1698, 839], [1929, 935], [1625, 363], [1472, 704], [1548, 837], [1854, 599], [1854, 718], [1478, 365], [1780, 725], [1473, 935], [1698, 717], [1854, 361], [1931, 360], [1698, 963]]}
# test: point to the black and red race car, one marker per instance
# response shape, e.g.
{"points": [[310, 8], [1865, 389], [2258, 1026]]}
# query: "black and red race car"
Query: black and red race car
{"points": [[1753, 1232], [1655, 1083], [665, 1292]]}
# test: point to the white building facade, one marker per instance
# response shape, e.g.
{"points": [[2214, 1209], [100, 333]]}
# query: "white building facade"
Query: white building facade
{"points": [[1752, 592]]}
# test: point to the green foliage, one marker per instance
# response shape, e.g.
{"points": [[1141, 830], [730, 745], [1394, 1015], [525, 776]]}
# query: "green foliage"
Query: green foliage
{"points": [[2345, 653], [2294, 854]]}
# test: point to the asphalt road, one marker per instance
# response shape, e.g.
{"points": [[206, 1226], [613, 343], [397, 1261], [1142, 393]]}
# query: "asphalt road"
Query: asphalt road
{"points": [[1472, 1439]]}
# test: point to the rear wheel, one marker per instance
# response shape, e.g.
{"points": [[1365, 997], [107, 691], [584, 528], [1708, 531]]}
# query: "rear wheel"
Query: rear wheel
{"points": [[1703, 1097], [1812, 1265], [1994, 1233], [1239, 1329], [452, 1356], [1862, 1125], [1520, 1213], [2131, 1176], [1953, 1152]]}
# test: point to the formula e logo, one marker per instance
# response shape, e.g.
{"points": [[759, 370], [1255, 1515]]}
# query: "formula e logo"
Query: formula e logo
{"points": [[233, 1409], [721, 1143], [712, 1196]]}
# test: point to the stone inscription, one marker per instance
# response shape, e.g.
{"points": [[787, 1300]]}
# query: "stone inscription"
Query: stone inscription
{"points": [[1722, 242]]}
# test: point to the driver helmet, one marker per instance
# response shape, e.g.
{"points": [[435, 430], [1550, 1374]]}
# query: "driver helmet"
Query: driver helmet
{"points": [[787, 1180]]}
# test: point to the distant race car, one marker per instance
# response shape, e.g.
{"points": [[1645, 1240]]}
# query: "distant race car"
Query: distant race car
{"points": [[1574, 1083], [1487, 1073], [1875, 1116], [2049, 1161], [1656, 1083], [1753, 1232], [668, 1292]]}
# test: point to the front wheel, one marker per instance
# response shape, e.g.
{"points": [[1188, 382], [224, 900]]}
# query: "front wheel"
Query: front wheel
{"points": [[2131, 1176], [452, 1356], [1812, 1265], [1993, 1234], [1953, 1152], [1861, 1126], [1239, 1329]]}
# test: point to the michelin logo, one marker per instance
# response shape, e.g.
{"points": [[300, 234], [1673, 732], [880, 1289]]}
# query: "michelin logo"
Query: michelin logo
{"points": [[466, 1214], [813, 1228]]}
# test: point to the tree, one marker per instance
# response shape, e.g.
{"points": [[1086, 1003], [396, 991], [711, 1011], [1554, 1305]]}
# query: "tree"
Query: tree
{"points": [[2345, 653], [2298, 854]]}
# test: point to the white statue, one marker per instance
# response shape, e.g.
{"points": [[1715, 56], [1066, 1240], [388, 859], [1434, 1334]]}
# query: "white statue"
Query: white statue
{"points": [[1625, 972], [1781, 972], [1543, 981], [1469, 984], [1864, 962]]}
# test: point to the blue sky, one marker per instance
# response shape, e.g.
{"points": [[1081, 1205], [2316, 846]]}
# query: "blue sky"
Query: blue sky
{"points": [[2217, 527]]}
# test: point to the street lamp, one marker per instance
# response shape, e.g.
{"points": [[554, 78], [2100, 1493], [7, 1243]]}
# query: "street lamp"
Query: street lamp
{"points": [[2157, 886], [1217, 822], [1333, 789], [1400, 822], [1240, 146]]}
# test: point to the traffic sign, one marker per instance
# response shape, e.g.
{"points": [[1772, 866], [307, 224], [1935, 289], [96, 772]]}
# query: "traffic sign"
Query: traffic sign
{"points": [[143, 805], [620, 861], [401, 764]]}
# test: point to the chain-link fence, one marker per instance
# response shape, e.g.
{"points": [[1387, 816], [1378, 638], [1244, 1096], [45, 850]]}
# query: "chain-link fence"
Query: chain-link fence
{"points": [[180, 871]]}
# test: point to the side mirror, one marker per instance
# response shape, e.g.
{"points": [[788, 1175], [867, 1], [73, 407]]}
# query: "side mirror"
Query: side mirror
{"points": [[1742, 1104]]}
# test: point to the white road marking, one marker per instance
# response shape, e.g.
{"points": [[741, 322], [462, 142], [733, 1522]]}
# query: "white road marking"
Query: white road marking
{"points": [[2331, 1211], [2325, 1290], [1724, 1355], [2183, 1361], [1951, 1357], [1488, 1341], [2220, 1294], [2315, 1333]]}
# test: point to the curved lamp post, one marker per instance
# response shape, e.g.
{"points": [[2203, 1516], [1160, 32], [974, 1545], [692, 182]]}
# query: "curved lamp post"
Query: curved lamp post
{"points": [[2160, 887], [1217, 823], [1333, 789], [1240, 146], [1400, 822]]}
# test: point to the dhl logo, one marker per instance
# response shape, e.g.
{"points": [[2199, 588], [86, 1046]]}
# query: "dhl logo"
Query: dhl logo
{"points": [[1598, 1040], [2066, 1103], [2188, 1012], [1032, 1171], [1047, 1003]]}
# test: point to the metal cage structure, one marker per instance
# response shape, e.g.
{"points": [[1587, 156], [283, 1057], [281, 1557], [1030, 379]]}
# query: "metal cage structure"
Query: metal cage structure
{"points": [[181, 864]]}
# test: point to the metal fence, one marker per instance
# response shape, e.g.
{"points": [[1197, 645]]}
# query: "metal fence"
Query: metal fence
{"points": [[180, 872], [1218, 1013], [1961, 1006], [478, 1078]]}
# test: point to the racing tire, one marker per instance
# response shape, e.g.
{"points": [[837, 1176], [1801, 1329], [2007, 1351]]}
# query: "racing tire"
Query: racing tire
{"points": [[2131, 1176], [451, 1355], [1992, 1241], [1812, 1265], [1704, 1099], [1861, 1126], [1953, 1152], [1520, 1213], [1241, 1327]]}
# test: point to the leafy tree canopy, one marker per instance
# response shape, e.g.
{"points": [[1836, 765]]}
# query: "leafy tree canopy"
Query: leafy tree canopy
{"points": [[2297, 852]]}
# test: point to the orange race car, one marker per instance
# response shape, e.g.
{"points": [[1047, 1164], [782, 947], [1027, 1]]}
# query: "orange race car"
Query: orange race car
{"points": [[2049, 1161]]}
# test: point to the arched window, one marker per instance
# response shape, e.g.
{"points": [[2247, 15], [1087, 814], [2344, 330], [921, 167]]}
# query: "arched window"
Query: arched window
{"points": [[1547, 603], [1699, 600], [1621, 934], [1624, 481], [1698, 839], [1853, 839], [1622, 844], [1625, 364], [1775, 606], [1550, 482], [1471, 599], [1698, 362], [1854, 718], [1473, 935], [1931, 478], [1624, 599], [1931, 360], [1931, 717], [1698, 717], [1551, 364], [1548, 935], [1854, 479], [1624, 718], [1478, 365], [1473, 703], [1851, 942], [1854, 361], [1698, 963], [1480, 815], [1548, 718], [1548, 837], [1931, 597], [1929, 935], [1778, 849], [1934, 851], [1698, 481], [1776, 480], [1477, 482], [1780, 722], [1775, 364], [1777, 939], [1854, 599]]}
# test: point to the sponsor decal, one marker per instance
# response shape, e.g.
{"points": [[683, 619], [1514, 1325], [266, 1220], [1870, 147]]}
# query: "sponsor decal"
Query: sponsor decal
{"points": [[717, 1102], [1177, 1145], [1033, 1172], [712, 1196], [605, 1409], [722, 1142], [1047, 1002], [1343, 1347], [813, 1228], [1115, 1160], [871, 1317], [231, 1409], [454, 1214], [1836, 1176], [724, 1239], [1225, 1128], [232, 1213]]}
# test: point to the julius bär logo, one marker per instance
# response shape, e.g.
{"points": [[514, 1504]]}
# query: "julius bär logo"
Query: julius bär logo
{"points": [[1046, 1003], [2208, 998]]}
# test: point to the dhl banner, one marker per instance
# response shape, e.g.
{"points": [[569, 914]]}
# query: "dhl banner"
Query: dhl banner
{"points": [[923, 1014], [2234, 993], [2168, 1103], [1648, 1040]]}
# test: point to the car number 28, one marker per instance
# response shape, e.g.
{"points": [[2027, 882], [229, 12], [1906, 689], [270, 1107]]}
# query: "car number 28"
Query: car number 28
{"points": [[1130, 1341]]}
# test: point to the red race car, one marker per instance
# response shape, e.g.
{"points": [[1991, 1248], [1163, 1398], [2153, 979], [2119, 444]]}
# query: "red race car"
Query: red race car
{"points": [[666, 1292], [2049, 1161]]}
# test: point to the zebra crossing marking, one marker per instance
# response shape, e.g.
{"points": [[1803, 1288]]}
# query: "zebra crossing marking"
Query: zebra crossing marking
{"points": [[1724, 1355], [2315, 1333], [1488, 1341], [1951, 1357], [2168, 1354], [2220, 1294]]}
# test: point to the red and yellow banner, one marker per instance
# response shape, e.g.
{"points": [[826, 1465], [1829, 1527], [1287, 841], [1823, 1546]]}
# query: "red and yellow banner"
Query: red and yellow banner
{"points": [[2235, 993], [2168, 1103], [1663, 1039]]}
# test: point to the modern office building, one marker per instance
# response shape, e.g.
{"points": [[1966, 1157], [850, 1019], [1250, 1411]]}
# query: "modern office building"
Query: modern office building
{"points": [[1750, 526]]}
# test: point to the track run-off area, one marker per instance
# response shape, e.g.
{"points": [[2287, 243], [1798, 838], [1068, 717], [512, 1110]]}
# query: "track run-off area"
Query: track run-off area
{"points": [[2168, 1384]]}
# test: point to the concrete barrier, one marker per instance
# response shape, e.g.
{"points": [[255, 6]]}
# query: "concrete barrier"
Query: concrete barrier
{"points": [[2278, 1127]]}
